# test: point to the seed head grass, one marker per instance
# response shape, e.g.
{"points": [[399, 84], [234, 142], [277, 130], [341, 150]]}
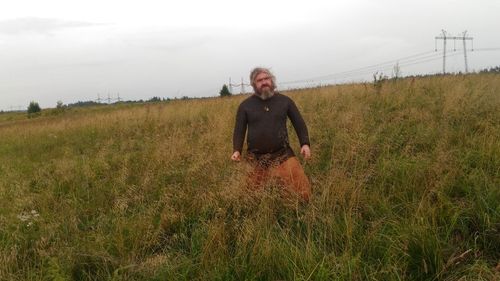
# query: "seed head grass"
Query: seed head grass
{"points": [[405, 180]]}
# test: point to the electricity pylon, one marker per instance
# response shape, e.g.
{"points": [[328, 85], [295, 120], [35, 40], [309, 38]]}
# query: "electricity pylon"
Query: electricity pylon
{"points": [[445, 37]]}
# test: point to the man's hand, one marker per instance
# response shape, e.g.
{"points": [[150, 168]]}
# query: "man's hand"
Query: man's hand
{"points": [[305, 151], [236, 156]]}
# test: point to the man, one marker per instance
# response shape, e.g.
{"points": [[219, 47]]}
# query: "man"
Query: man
{"points": [[265, 115]]}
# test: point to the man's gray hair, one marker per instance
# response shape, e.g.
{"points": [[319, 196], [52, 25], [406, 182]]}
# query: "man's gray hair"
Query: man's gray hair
{"points": [[256, 71]]}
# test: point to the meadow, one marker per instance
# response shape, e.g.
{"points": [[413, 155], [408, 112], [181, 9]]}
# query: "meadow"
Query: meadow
{"points": [[405, 176]]}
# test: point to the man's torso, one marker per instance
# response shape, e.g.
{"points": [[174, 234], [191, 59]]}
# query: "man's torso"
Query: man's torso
{"points": [[267, 131]]}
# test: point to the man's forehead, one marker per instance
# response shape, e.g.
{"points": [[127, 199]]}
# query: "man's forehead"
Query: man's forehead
{"points": [[263, 72]]}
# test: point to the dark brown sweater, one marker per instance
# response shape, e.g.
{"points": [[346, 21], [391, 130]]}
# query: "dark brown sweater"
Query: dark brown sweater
{"points": [[267, 132]]}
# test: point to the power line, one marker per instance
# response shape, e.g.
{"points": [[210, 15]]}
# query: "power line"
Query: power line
{"points": [[410, 60], [391, 65], [404, 61], [428, 60], [365, 71], [487, 49], [362, 71], [359, 69]]}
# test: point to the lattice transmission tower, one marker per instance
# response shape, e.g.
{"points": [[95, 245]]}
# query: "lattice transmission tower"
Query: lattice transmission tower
{"points": [[444, 36]]}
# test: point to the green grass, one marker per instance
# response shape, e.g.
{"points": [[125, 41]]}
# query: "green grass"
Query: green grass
{"points": [[405, 183]]}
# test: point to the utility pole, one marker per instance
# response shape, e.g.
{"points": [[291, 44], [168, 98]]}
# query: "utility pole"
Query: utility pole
{"points": [[98, 98], [445, 37], [444, 49], [242, 86], [465, 49], [230, 86], [109, 99]]}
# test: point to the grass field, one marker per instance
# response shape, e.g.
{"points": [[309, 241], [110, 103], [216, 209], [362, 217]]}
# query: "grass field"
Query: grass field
{"points": [[405, 176]]}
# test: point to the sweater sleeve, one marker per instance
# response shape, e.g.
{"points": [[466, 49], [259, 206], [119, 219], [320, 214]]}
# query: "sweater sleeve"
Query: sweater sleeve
{"points": [[298, 123], [239, 129]]}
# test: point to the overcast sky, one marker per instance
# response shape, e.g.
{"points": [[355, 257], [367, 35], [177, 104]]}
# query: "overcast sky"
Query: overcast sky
{"points": [[76, 50]]}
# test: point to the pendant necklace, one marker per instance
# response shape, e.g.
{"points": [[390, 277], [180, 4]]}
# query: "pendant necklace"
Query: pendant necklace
{"points": [[266, 108]]}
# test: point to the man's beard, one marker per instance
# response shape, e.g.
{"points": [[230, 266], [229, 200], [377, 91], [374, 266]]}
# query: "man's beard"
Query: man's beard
{"points": [[265, 93]]}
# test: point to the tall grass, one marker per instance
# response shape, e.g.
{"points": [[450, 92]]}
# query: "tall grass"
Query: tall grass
{"points": [[405, 187]]}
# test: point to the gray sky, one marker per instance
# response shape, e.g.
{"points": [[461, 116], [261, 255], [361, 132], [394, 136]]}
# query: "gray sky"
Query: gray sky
{"points": [[74, 50]]}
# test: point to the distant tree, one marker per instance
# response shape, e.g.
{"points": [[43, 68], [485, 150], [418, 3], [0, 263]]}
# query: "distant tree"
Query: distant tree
{"points": [[224, 92], [34, 108], [154, 99], [60, 108], [84, 103], [495, 69]]}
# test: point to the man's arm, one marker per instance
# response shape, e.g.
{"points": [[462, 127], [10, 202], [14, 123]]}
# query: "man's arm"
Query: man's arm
{"points": [[300, 128], [240, 128]]}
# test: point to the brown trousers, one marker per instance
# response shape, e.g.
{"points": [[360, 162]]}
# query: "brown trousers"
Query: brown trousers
{"points": [[289, 174]]}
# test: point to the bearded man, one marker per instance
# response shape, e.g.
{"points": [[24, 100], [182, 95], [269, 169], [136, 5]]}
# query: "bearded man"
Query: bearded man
{"points": [[265, 114]]}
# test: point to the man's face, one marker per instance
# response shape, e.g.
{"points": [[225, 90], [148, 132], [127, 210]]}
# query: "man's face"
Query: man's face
{"points": [[264, 85]]}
